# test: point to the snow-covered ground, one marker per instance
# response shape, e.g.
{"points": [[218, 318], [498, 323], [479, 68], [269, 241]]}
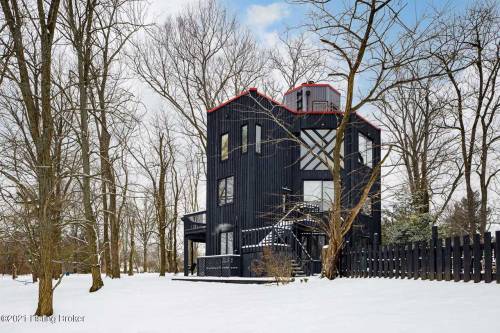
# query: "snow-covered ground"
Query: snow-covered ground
{"points": [[148, 303]]}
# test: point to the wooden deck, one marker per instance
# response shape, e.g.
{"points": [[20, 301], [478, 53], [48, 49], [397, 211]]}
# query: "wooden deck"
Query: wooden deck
{"points": [[238, 280]]}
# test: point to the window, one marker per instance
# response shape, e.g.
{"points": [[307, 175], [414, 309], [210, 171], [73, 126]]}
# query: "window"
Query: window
{"points": [[258, 139], [226, 190], [317, 147], [319, 192], [365, 155], [244, 139], [320, 106], [226, 242], [367, 207], [224, 146]]}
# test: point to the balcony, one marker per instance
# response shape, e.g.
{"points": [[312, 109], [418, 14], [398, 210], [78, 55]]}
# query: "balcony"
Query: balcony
{"points": [[195, 224]]}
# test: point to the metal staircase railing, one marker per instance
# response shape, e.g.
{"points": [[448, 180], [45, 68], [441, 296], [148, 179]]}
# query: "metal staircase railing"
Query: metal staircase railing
{"points": [[281, 237]]}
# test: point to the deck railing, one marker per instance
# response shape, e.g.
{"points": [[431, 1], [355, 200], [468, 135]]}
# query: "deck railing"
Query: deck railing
{"points": [[219, 265], [278, 239], [195, 221]]}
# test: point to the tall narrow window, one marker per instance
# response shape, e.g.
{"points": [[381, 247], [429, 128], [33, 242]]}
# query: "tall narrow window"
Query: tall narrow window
{"points": [[258, 139], [367, 207], [224, 146], [365, 155], [226, 242], [225, 190], [319, 192], [244, 139]]}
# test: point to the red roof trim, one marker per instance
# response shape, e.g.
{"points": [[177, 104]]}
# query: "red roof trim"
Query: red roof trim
{"points": [[243, 93], [312, 85], [303, 113]]}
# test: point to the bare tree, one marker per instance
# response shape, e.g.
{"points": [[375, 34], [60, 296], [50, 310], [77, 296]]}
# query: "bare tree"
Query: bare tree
{"points": [[154, 159], [296, 61], [117, 22], [412, 116], [39, 111], [78, 21], [468, 52], [145, 227], [196, 61]]}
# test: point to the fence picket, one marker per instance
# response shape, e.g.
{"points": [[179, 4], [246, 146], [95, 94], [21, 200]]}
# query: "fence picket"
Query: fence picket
{"points": [[497, 255], [476, 251], [396, 261], [432, 259], [439, 259], [370, 261], [380, 262], [403, 261], [391, 261], [467, 258], [409, 263], [447, 259], [457, 256], [416, 261], [425, 261], [487, 258]]}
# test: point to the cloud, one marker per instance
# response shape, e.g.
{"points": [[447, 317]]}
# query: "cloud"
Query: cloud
{"points": [[261, 18], [265, 15]]}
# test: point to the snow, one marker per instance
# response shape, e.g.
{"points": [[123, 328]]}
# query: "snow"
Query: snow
{"points": [[148, 303]]}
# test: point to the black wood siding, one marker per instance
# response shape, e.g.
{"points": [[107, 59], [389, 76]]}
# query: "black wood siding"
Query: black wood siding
{"points": [[259, 179]]}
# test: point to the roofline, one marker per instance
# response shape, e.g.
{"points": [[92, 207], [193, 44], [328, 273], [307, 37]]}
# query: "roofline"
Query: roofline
{"points": [[302, 113], [311, 85]]}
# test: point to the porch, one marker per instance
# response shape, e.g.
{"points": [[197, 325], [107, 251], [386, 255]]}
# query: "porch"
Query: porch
{"points": [[195, 231]]}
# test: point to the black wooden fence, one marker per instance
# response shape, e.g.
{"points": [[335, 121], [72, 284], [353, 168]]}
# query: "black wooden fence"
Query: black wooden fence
{"points": [[455, 258], [219, 265]]}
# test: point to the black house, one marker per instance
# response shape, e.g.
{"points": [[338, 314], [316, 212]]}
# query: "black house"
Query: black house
{"points": [[263, 188]]}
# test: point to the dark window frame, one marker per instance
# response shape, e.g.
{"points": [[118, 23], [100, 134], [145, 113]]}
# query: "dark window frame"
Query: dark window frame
{"points": [[258, 139], [223, 197], [224, 157], [365, 153], [244, 139], [227, 250], [367, 208], [321, 201]]}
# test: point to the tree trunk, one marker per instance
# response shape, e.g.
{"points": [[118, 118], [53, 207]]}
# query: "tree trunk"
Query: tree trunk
{"points": [[109, 180], [115, 227], [331, 258], [163, 263], [162, 215], [132, 250], [124, 256], [176, 268], [145, 259], [107, 254], [82, 44]]}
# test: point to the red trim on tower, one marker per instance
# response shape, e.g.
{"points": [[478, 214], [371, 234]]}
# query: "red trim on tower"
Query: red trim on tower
{"points": [[312, 85], [302, 113]]}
